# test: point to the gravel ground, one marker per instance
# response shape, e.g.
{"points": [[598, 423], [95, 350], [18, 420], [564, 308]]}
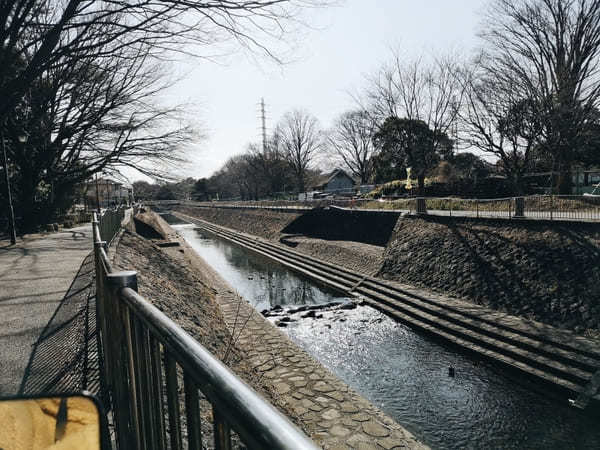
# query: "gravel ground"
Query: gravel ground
{"points": [[548, 272]]}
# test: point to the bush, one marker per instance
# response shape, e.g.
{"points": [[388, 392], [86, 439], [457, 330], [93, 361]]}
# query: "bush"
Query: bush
{"points": [[395, 187]]}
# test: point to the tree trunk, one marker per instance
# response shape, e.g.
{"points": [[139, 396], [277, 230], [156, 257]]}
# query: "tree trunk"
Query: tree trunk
{"points": [[565, 180], [301, 185], [421, 184]]}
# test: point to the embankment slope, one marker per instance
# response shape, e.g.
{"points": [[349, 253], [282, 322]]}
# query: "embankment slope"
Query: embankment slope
{"points": [[545, 271], [354, 241]]}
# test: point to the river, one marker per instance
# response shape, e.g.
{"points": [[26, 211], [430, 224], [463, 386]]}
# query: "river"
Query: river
{"points": [[402, 372]]}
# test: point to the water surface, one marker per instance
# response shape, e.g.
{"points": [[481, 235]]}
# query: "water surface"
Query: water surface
{"points": [[403, 373]]}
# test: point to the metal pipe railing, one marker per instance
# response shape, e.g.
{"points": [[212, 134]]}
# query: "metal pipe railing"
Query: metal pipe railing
{"points": [[151, 364], [547, 207]]}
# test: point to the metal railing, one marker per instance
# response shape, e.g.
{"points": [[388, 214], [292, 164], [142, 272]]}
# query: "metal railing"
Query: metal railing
{"points": [[546, 207], [154, 373], [110, 223]]}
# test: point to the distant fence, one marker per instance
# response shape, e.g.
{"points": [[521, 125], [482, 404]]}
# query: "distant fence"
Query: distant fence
{"points": [[151, 365], [547, 207]]}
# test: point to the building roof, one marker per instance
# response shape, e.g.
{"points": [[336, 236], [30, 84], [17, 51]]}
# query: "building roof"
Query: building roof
{"points": [[324, 179]]}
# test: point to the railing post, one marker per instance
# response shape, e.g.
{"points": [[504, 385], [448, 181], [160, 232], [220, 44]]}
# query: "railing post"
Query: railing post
{"points": [[421, 206], [519, 207], [123, 374]]}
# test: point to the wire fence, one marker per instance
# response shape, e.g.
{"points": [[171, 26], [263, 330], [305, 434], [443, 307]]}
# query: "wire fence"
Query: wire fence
{"points": [[158, 376], [542, 207]]}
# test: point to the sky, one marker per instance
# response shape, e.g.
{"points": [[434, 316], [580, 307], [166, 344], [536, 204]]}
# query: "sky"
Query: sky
{"points": [[332, 59]]}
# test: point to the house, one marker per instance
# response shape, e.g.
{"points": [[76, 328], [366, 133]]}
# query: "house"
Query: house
{"points": [[336, 181], [109, 192]]}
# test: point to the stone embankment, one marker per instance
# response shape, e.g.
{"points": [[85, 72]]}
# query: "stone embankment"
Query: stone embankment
{"points": [[544, 271], [329, 411]]}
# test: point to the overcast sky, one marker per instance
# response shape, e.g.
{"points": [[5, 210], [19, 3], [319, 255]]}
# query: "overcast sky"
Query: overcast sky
{"points": [[349, 42]]}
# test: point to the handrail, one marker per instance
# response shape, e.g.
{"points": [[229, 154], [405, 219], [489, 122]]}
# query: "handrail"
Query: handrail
{"points": [[259, 424], [545, 207], [144, 355]]}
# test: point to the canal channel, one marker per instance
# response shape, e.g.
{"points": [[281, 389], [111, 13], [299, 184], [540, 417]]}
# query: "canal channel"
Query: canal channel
{"points": [[405, 374]]}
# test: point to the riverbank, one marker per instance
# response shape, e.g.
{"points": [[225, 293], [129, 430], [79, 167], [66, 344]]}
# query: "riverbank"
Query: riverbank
{"points": [[544, 271], [290, 229], [323, 406], [549, 272]]}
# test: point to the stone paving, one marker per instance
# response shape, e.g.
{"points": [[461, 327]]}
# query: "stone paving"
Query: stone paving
{"points": [[332, 414]]}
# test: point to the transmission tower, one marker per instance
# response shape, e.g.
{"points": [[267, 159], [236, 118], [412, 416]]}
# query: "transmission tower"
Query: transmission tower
{"points": [[263, 125]]}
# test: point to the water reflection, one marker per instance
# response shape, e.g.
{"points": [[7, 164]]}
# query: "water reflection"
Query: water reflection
{"points": [[404, 373], [257, 279]]}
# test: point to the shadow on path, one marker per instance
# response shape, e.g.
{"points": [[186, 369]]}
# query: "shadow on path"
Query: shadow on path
{"points": [[65, 357]]}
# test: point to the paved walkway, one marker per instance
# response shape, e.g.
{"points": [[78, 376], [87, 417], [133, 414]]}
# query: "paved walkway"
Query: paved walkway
{"points": [[35, 276]]}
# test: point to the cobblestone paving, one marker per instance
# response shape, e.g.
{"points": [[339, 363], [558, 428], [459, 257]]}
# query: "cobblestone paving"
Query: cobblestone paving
{"points": [[333, 415]]}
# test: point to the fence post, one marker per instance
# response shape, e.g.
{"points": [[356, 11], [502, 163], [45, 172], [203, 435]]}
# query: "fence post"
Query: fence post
{"points": [[101, 326], [551, 207], [123, 375], [421, 206], [519, 207]]}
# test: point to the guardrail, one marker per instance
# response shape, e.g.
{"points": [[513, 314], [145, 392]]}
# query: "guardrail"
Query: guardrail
{"points": [[154, 373]]}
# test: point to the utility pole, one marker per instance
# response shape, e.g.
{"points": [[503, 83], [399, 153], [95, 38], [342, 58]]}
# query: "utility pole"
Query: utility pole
{"points": [[264, 126], [11, 213]]}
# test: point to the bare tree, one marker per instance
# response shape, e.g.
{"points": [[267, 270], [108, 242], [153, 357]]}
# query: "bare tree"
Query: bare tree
{"points": [[80, 77], [38, 32], [96, 114], [301, 139], [270, 166], [351, 141], [419, 90], [548, 50], [496, 119]]}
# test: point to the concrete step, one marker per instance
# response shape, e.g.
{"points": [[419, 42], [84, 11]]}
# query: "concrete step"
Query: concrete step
{"points": [[543, 347], [567, 372], [569, 387]]}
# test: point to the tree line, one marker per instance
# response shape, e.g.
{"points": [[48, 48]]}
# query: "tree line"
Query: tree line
{"points": [[527, 101], [79, 83]]}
